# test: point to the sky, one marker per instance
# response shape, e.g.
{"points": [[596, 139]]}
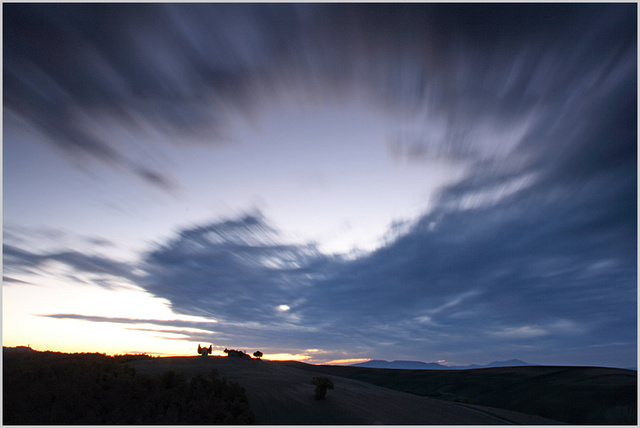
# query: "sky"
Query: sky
{"points": [[322, 182]]}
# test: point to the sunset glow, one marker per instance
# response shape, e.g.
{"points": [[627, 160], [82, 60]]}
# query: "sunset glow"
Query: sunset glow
{"points": [[348, 361]]}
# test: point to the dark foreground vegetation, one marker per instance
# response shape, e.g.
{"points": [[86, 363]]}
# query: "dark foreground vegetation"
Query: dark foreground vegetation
{"points": [[322, 383], [575, 395], [94, 389]]}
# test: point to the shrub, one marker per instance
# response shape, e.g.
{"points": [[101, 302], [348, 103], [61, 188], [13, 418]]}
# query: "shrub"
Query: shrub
{"points": [[322, 383], [131, 357], [93, 389]]}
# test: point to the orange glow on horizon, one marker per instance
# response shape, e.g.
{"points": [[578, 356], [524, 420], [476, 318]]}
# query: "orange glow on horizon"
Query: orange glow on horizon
{"points": [[189, 351], [285, 357], [349, 361]]}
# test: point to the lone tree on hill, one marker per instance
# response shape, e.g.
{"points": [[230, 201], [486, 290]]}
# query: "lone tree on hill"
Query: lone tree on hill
{"points": [[257, 354], [322, 383]]}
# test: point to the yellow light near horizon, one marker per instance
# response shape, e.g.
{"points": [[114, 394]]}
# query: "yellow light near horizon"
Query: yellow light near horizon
{"points": [[286, 357], [349, 361], [24, 320]]}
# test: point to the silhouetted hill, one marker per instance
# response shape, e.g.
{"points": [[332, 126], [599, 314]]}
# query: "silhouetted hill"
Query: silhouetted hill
{"points": [[412, 365], [508, 363], [54, 388], [57, 388], [281, 393], [419, 365], [17, 349], [575, 395]]}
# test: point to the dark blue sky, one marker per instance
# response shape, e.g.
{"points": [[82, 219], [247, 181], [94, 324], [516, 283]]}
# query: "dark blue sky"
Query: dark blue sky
{"points": [[331, 181]]}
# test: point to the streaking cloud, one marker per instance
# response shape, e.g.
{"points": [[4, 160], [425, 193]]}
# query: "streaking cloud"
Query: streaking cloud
{"points": [[517, 123]]}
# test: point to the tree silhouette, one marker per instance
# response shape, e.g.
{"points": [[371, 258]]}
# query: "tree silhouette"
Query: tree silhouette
{"points": [[236, 354], [257, 354], [322, 383]]}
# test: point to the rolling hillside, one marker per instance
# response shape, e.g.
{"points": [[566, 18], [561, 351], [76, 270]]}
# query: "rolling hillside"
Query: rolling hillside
{"points": [[414, 365], [162, 390], [576, 395], [281, 393]]}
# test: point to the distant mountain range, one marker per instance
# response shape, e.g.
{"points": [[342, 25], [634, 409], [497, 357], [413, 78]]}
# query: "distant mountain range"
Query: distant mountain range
{"points": [[419, 365]]}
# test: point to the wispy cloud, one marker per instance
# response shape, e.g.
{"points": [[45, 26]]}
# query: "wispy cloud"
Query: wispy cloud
{"points": [[24, 261], [479, 73], [9, 280], [200, 325]]}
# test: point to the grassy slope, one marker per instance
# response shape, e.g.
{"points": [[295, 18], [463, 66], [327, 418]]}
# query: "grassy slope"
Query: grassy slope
{"points": [[95, 389], [578, 395], [280, 393]]}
